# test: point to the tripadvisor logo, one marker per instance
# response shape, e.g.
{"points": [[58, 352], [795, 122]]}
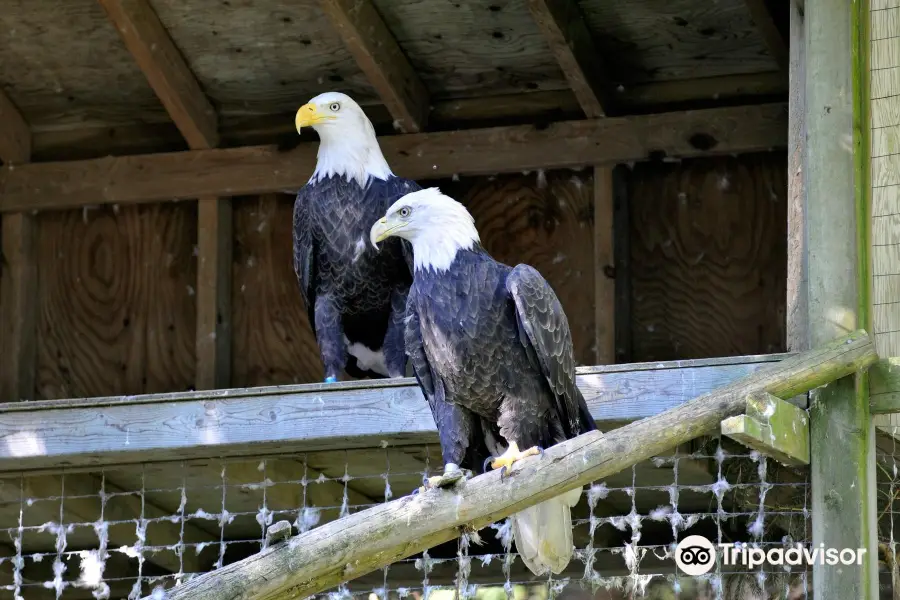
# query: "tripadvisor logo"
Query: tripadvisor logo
{"points": [[695, 555]]}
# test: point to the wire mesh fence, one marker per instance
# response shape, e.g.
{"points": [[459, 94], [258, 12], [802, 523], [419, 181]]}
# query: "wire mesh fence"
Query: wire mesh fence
{"points": [[135, 531], [887, 470]]}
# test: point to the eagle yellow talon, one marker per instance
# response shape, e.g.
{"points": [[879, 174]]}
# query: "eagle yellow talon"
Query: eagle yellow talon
{"points": [[512, 454]]}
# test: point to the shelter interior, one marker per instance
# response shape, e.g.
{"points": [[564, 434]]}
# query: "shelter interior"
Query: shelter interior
{"points": [[633, 152]]}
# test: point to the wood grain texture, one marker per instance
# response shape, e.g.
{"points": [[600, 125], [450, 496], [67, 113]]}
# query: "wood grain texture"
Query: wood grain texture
{"points": [[677, 39], [708, 257], [255, 59], [377, 54], [380, 535], [165, 69], [563, 26], [15, 136], [307, 418], [604, 267], [470, 48], [18, 293], [765, 20], [214, 270], [543, 219], [57, 57], [273, 342], [258, 169], [797, 270], [117, 300]]}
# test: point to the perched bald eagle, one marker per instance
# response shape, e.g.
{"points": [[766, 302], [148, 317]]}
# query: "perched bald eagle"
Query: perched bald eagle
{"points": [[355, 296], [492, 351]]}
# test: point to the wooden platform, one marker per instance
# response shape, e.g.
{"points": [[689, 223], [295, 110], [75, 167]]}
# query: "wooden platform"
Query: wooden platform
{"points": [[90, 432]]}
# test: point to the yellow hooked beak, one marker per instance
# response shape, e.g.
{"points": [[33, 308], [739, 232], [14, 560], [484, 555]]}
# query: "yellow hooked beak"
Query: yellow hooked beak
{"points": [[308, 115], [383, 229]]}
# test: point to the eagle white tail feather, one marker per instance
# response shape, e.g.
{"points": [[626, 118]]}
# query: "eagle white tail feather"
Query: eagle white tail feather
{"points": [[543, 533]]}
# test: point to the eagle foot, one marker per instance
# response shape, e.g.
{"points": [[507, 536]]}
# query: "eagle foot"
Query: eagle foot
{"points": [[505, 461], [452, 475]]}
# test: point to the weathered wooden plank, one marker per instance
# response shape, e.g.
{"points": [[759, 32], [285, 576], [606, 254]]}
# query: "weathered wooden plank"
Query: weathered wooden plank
{"points": [[884, 385], [622, 257], [773, 427], [15, 135], [102, 431], [260, 169], [765, 22], [842, 435], [565, 30], [214, 254], [364, 541], [797, 322], [379, 56], [18, 316], [165, 69], [604, 268], [19, 273]]}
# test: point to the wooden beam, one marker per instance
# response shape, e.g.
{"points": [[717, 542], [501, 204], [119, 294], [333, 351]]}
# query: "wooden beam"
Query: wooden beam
{"points": [[18, 272], [165, 69], [765, 22], [842, 435], [365, 541], [307, 418], [797, 332], [565, 30], [382, 61], [260, 169], [622, 257], [214, 253], [773, 427], [604, 268], [15, 136], [187, 105]]}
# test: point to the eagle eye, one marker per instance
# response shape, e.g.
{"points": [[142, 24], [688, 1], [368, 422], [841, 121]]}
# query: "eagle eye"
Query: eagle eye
{"points": [[404, 212], [335, 106]]}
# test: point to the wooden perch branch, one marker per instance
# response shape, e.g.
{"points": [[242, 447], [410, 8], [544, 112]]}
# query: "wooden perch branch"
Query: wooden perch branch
{"points": [[368, 540]]}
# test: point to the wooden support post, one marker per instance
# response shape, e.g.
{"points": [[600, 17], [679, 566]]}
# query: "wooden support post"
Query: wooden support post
{"points": [[797, 275], [18, 281], [835, 205], [214, 254], [566, 32], [180, 92], [604, 268], [622, 268], [368, 540], [379, 56], [773, 427]]}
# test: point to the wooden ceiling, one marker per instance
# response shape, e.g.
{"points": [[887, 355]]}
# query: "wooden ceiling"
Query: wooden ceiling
{"points": [[85, 89]]}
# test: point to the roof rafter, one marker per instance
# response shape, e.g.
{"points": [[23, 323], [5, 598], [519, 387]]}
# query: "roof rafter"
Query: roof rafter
{"points": [[166, 70], [15, 135], [565, 30], [765, 22], [382, 61]]}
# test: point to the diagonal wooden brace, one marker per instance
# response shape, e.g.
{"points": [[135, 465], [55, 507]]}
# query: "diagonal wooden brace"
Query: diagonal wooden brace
{"points": [[773, 427]]}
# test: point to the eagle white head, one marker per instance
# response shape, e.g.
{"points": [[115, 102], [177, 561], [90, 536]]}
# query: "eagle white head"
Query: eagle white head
{"points": [[347, 142], [436, 225]]}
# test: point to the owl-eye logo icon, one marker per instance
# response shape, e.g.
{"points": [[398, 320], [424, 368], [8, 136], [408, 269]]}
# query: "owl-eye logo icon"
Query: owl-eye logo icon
{"points": [[695, 555]]}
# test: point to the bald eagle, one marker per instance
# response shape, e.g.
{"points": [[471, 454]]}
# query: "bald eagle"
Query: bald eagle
{"points": [[491, 349], [355, 296]]}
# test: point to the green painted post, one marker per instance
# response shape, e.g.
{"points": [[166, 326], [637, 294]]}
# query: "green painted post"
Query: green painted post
{"points": [[836, 180]]}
